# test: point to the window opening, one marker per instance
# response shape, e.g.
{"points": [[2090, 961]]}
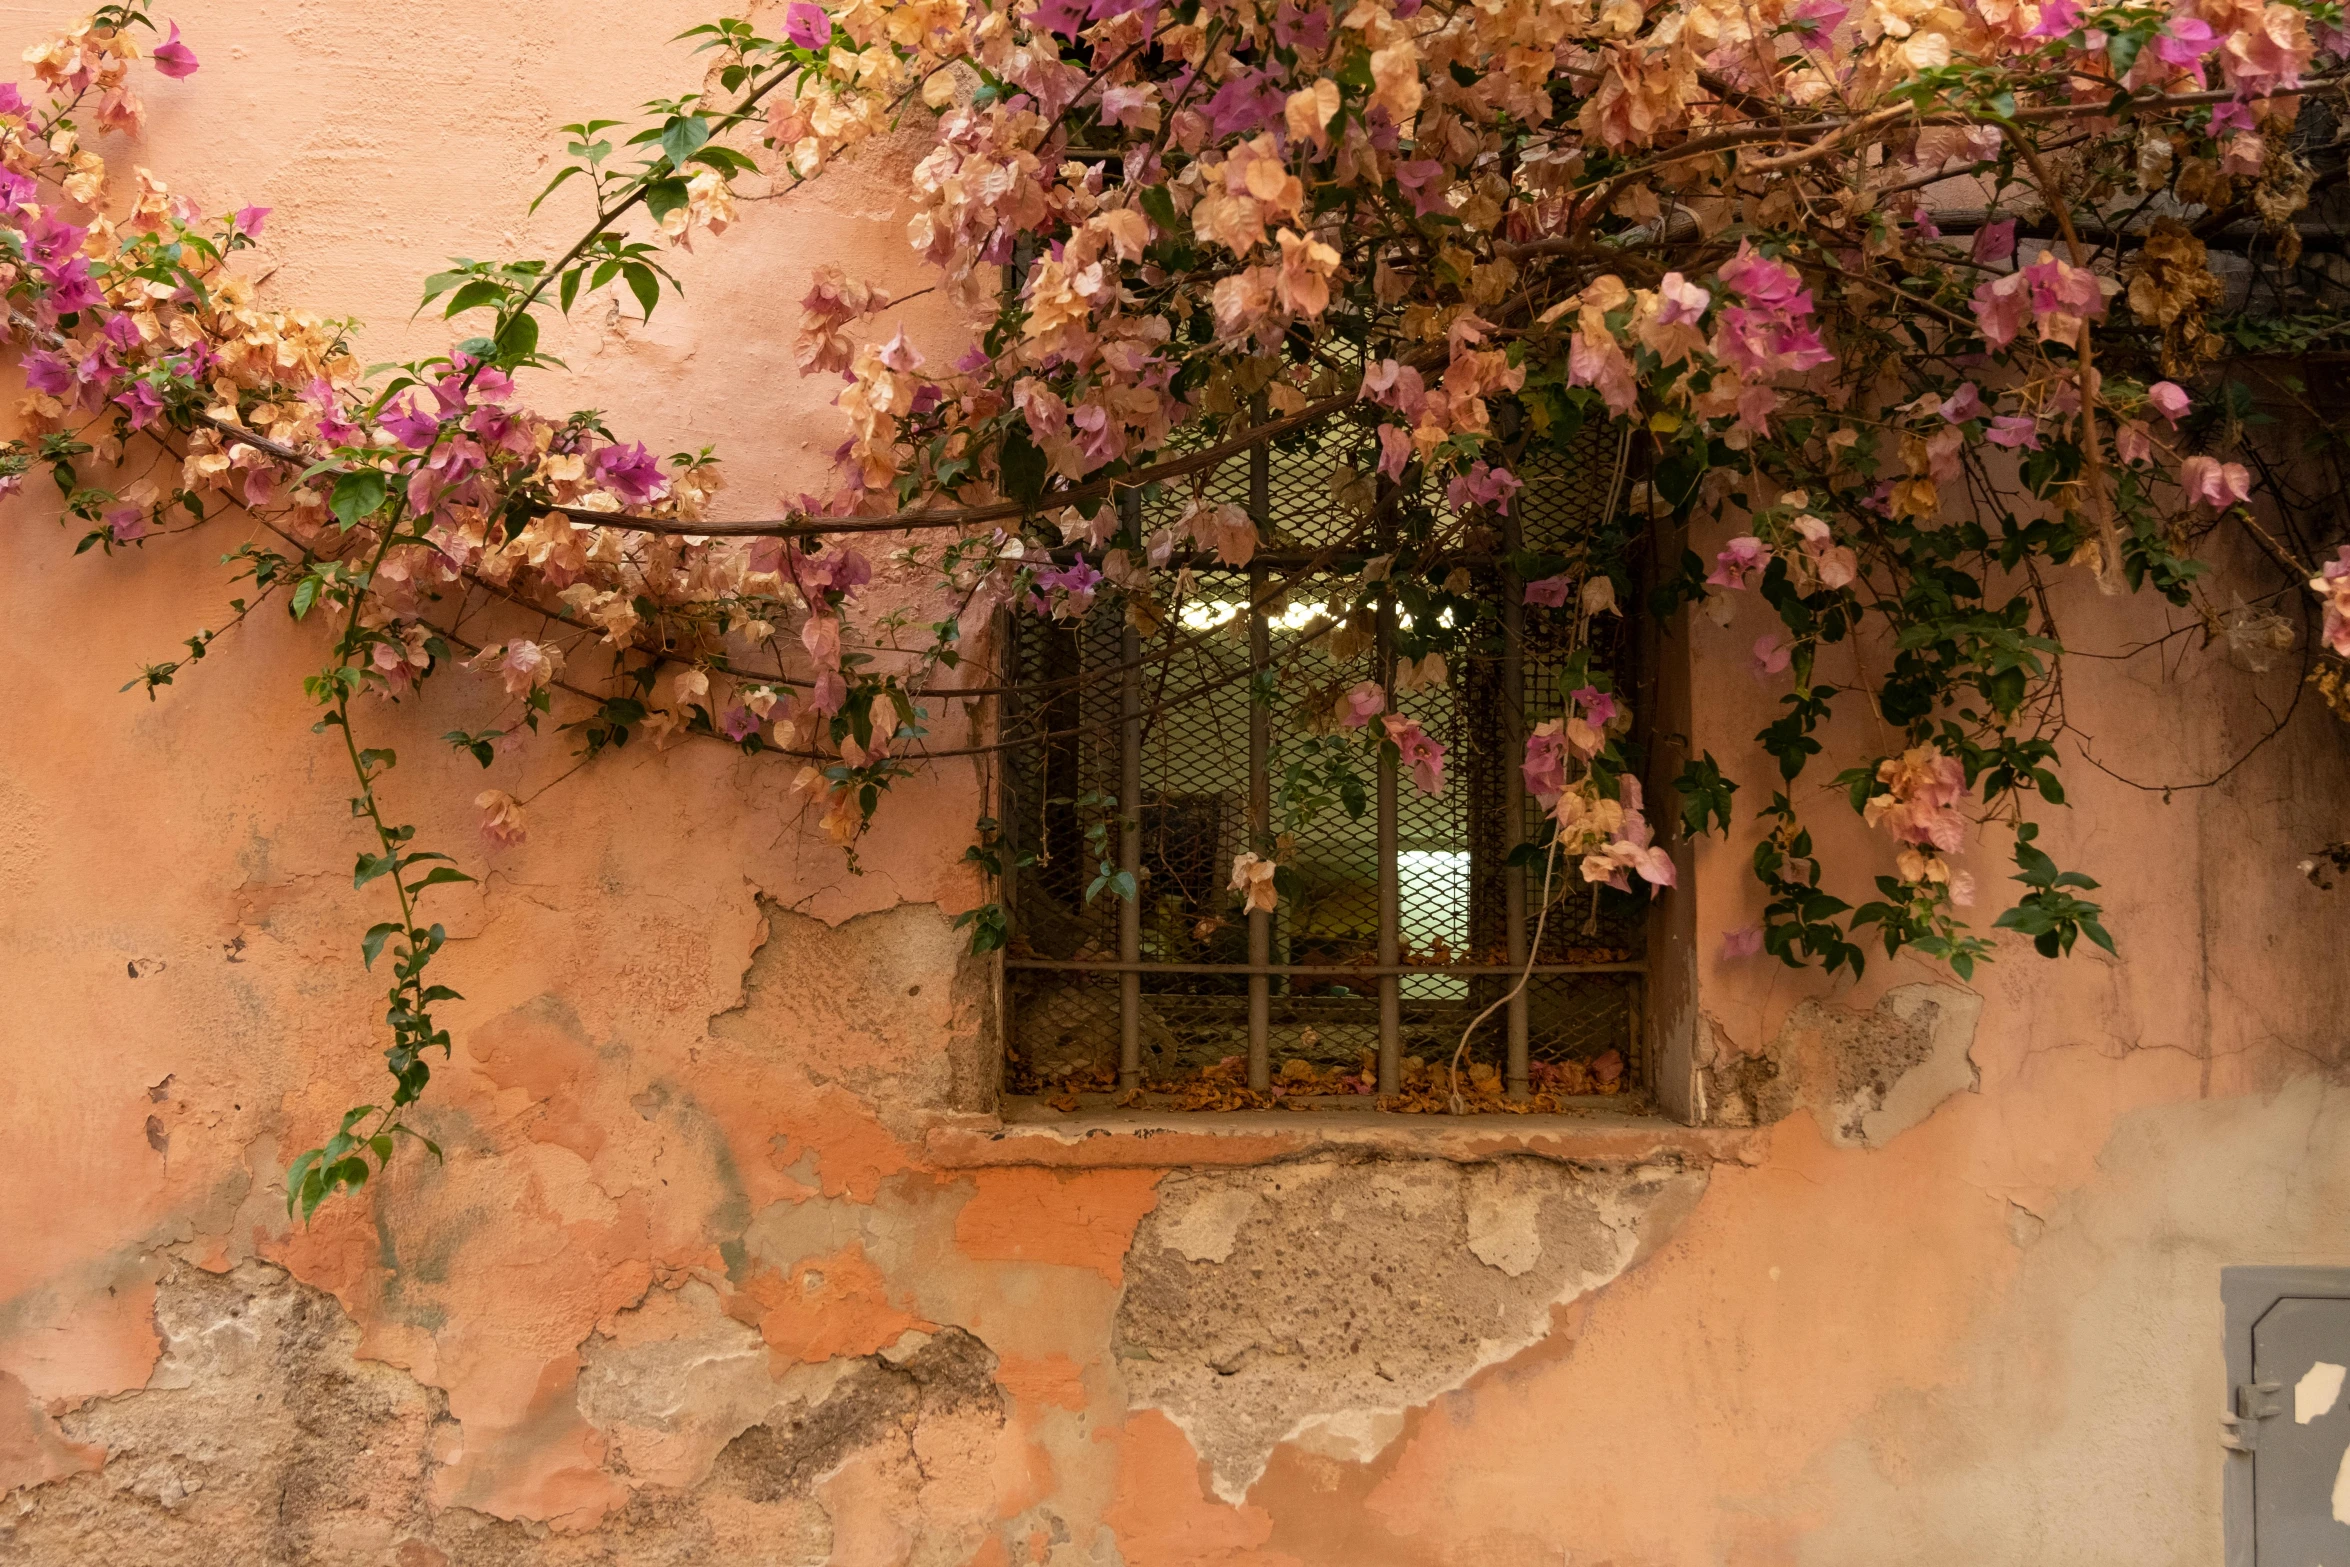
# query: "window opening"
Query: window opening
{"points": [[1401, 916]]}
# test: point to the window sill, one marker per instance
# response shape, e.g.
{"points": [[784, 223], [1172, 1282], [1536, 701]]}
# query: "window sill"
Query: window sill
{"points": [[1030, 1133]]}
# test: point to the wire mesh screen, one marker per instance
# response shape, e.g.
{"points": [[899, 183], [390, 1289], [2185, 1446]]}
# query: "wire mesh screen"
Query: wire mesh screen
{"points": [[1211, 738]]}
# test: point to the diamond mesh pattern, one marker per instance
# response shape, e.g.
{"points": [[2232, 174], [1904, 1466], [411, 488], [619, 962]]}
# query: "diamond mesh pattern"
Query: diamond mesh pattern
{"points": [[1060, 798]]}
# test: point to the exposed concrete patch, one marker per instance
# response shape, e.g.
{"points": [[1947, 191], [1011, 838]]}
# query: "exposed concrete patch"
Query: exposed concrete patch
{"points": [[678, 1379], [262, 1437], [1895, 1064], [1317, 1302], [259, 1438], [869, 1004], [1737, 1087], [1207, 1227]]}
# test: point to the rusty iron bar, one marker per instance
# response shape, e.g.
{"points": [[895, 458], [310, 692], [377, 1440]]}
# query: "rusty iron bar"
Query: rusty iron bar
{"points": [[1130, 831], [1390, 883], [1518, 1074], [1007, 816], [1260, 773]]}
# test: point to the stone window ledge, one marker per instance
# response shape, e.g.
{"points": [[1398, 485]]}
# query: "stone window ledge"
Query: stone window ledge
{"points": [[1028, 1133]]}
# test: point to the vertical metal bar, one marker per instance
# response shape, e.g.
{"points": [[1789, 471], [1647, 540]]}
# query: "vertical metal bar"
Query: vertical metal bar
{"points": [[1008, 797], [1008, 807], [1390, 887], [1130, 830], [1518, 1075], [1260, 776]]}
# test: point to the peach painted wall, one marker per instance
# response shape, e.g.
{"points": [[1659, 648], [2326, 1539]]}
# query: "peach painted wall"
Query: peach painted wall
{"points": [[727, 1263]]}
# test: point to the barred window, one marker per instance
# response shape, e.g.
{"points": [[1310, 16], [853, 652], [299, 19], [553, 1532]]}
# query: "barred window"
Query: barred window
{"points": [[1148, 757]]}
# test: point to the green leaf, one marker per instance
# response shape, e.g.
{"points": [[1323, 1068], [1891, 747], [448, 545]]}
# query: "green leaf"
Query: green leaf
{"points": [[1705, 796], [2122, 48], [568, 171], [726, 160], [474, 295], [438, 876], [300, 1172], [357, 496], [1023, 466], [682, 137], [372, 944], [1158, 204], [518, 338], [643, 284], [664, 196]]}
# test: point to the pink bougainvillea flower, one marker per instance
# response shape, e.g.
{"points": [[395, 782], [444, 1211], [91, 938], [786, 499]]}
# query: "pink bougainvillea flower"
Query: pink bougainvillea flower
{"points": [[1817, 16], [47, 372], [127, 523], [1744, 942], [248, 220], [842, 571], [1680, 302], [2184, 40], [1964, 404], [1483, 485], [2001, 308], [1550, 592], [2063, 297], [1759, 280], [522, 665], [1741, 558], [144, 403], [1545, 766], [1918, 800], [829, 693], [409, 425], [2132, 442], [2232, 117], [630, 473], [2169, 399], [1772, 654], [1599, 707], [173, 58], [1359, 706], [1427, 183], [738, 723], [2057, 18], [1421, 754], [2013, 431], [2332, 584], [502, 825], [1994, 242], [807, 25], [2213, 483], [1396, 386]]}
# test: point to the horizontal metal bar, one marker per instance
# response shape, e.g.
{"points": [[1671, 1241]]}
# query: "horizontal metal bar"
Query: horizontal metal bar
{"points": [[1313, 970]]}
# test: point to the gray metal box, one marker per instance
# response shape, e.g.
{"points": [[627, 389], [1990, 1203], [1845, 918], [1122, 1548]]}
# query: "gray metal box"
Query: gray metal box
{"points": [[2288, 1421]]}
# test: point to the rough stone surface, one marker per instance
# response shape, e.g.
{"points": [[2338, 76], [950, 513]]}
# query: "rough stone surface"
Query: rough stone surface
{"points": [[263, 1437], [1316, 1302], [1894, 1064]]}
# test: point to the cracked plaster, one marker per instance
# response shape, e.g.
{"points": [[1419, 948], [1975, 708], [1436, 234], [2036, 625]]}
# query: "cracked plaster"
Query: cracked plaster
{"points": [[1316, 1302]]}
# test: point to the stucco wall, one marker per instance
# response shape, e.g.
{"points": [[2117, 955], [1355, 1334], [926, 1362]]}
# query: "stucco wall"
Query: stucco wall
{"points": [[727, 1264]]}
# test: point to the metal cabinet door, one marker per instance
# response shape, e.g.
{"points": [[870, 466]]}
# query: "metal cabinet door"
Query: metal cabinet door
{"points": [[2288, 1502]]}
